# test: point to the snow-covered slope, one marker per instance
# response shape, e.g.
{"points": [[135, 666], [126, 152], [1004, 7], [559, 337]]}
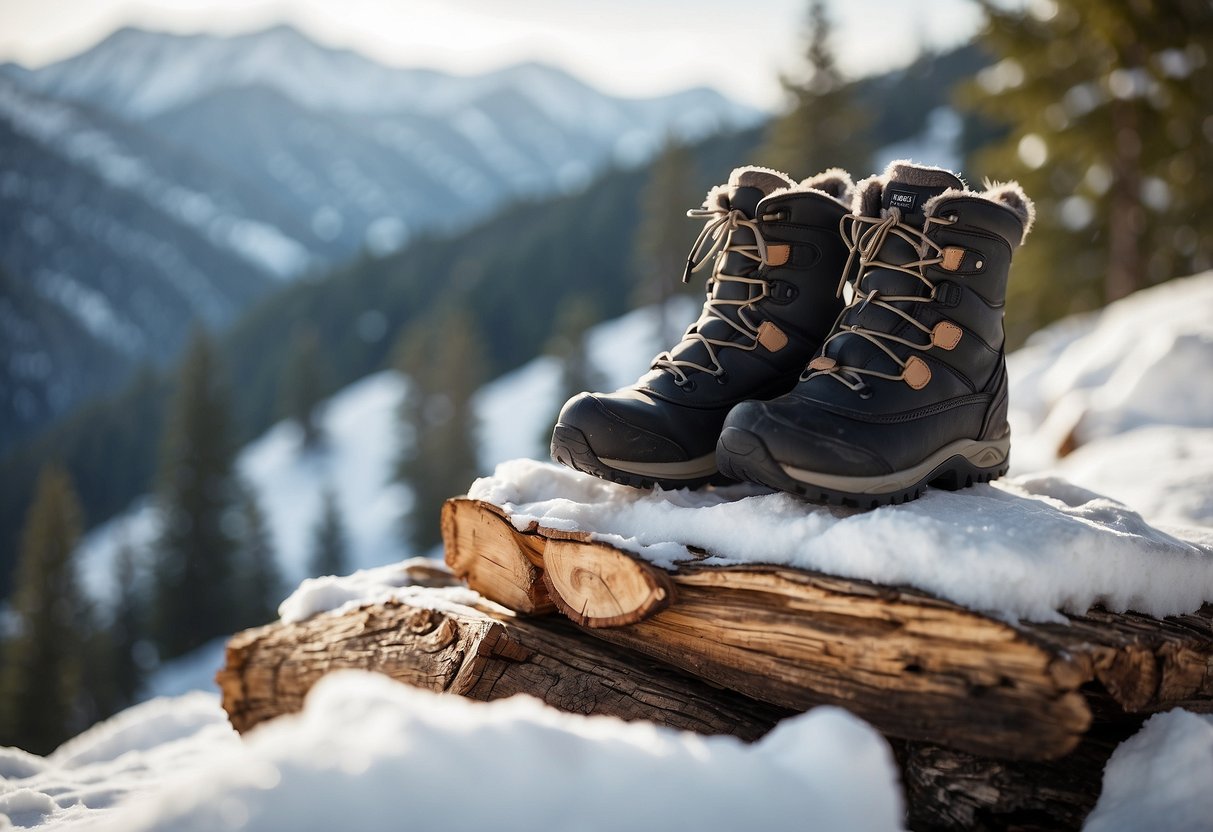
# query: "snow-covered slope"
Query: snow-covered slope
{"points": [[114, 241]]}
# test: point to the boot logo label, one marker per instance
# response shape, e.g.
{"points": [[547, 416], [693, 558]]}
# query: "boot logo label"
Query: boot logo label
{"points": [[905, 200]]}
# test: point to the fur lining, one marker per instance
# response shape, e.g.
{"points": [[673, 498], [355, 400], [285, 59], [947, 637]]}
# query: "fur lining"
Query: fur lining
{"points": [[929, 176], [765, 179], [756, 176], [834, 181], [1012, 195], [868, 192], [1007, 194], [834, 184]]}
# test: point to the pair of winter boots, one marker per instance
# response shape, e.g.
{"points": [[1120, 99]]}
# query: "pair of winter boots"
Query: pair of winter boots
{"points": [[850, 349]]}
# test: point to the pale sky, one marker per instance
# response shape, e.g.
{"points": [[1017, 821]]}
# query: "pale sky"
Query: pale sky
{"points": [[628, 47]]}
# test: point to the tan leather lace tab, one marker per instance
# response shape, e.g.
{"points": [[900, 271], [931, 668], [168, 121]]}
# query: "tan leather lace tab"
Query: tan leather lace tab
{"points": [[772, 337], [946, 335], [953, 256], [823, 362], [778, 254], [916, 373]]}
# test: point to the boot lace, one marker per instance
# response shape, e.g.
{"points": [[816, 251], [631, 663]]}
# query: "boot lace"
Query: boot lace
{"points": [[716, 239], [864, 237]]}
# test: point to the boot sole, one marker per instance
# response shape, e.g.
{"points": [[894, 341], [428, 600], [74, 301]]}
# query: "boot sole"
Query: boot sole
{"points": [[572, 449], [744, 456]]}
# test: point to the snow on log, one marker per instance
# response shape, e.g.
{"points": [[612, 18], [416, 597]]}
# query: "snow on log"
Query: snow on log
{"points": [[481, 653], [917, 667]]}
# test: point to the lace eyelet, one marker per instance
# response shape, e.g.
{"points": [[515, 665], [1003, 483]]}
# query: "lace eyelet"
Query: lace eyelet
{"points": [[722, 378], [866, 392], [687, 386]]}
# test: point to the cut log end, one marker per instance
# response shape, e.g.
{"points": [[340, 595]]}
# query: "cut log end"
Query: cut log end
{"points": [[497, 561], [597, 586]]}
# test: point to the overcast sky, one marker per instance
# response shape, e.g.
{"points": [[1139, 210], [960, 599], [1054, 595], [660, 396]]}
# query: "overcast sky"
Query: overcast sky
{"points": [[630, 47]]}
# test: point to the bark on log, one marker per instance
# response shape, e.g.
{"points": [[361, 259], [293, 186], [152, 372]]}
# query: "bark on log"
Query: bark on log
{"points": [[917, 667], [476, 654], [951, 790]]}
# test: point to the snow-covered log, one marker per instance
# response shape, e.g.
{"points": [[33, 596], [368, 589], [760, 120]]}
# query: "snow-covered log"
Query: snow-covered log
{"points": [[482, 653], [917, 667]]}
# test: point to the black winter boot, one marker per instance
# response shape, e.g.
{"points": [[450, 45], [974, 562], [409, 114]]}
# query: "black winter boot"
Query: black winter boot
{"points": [[911, 387], [771, 301]]}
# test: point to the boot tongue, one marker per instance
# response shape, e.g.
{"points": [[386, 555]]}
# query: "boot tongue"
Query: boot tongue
{"points": [[910, 186]]}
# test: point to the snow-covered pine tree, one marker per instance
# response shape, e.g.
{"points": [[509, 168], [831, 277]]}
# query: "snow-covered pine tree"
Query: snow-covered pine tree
{"points": [[1108, 106], [824, 126], [194, 598], [41, 682], [330, 550]]}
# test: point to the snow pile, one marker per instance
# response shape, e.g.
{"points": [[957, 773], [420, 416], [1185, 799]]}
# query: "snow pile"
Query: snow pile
{"points": [[112, 763], [1024, 548], [1161, 778], [369, 753], [394, 582], [1143, 361], [1130, 388]]}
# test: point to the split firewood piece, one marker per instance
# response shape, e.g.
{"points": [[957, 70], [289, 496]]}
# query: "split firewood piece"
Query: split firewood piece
{"points": [[597, 585], [496, 560]]}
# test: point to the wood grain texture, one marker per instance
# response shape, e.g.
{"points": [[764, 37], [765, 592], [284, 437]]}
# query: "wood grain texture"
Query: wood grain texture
{"points": [[918, 667], [477, 654]]}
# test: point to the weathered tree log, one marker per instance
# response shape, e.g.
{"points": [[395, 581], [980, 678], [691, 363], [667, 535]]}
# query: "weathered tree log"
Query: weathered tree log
{"points": [[918, 667], [952, 790], [478, 654]]}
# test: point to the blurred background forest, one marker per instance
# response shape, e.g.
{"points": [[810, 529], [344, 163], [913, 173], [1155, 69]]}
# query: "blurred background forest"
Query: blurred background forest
{"points": [[212, 246]]}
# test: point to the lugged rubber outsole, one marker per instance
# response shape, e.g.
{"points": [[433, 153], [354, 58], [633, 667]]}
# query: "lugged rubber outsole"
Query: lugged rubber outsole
{"points": [[744, 456], [572, 449]]}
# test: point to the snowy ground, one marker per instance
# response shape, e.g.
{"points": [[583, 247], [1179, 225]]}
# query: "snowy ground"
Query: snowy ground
{"points": [[1126, 519]]}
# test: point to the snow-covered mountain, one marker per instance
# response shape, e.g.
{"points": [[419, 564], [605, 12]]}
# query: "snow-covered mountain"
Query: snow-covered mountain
{"points": [[122, 240], [156, 180], [140, 74]]}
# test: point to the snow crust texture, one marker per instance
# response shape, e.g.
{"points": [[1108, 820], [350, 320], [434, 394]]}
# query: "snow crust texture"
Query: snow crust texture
{"points": [[369, 753], [1029, 547], [1161, 778]]}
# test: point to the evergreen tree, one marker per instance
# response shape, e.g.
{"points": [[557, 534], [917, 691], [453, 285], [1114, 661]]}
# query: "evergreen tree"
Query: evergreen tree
{"points": [[127, 627], [304, 384], [444, 361], [665, 235], [41, 678], [194, 599], [259, 581], [824, 127], [329, 547], [1107, 105]]}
